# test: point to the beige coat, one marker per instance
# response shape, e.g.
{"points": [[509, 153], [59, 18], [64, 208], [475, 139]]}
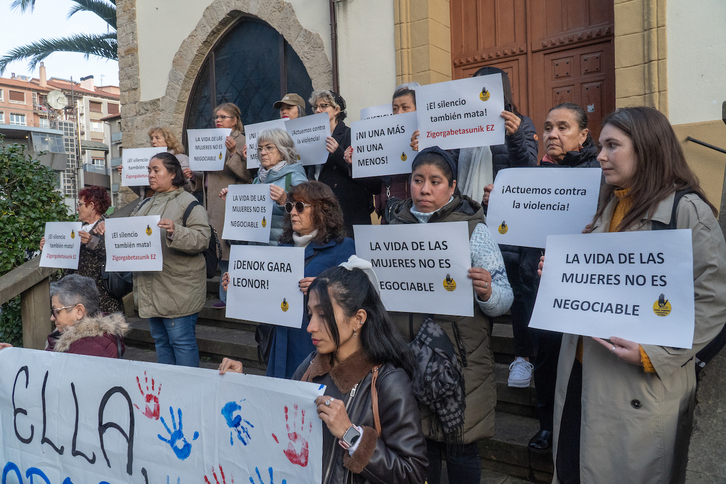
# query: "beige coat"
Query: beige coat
{"points": [[180, 289], [635, 425], [235, 172]]}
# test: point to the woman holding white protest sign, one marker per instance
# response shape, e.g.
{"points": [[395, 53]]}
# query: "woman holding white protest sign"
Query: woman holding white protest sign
{"points": [[623, 411], [372, 429], [454, 427], [172, 299], [355, 199], [280, 169], [291, 106], [315, 222]]}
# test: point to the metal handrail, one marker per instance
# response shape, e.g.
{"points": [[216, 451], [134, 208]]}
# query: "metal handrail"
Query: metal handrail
{"points": [[707, 145]]}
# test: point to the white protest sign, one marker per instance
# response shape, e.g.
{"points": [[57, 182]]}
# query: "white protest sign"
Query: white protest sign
{"points": [[62, 245], [135, 172], [309, 134], [83, 419], [461, 114], [528, 204], [207, 150], [421, 268], [251, 131], [248, 213], [633, 285], [382, 146], [263, 284], [376, 111], [133, 244]]}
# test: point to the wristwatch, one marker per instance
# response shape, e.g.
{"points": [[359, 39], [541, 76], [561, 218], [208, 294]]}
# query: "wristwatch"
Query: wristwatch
{"points": [[350, 437]]}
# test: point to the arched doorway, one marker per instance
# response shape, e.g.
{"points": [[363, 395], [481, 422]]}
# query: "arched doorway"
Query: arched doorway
{"points": [[252, 66]]}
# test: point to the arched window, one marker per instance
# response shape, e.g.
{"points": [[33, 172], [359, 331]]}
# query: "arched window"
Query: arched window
{"points": [[252, 66]]}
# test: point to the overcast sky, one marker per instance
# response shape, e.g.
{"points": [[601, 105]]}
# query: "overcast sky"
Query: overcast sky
{"points": [[49, 20]]}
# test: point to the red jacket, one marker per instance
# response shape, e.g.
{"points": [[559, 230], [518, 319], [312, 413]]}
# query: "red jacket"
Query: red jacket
{"points": [[92, 336]]}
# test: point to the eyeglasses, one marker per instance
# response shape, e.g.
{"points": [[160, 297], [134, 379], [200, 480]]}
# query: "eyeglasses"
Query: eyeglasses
{"points": [[299, 206], [266, 149], [55, 310], [220, 116], [321, 106]]}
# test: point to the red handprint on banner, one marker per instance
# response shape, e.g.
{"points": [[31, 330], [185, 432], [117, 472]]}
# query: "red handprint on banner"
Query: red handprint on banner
{"points": [[216, 480], [152, 409], [296, 438]]}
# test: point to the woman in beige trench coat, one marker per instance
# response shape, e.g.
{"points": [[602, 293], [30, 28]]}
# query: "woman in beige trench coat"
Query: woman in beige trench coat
{"points": [[623, 411]]}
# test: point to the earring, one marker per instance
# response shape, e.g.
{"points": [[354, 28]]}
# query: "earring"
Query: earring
{"points": [[355, 333]]}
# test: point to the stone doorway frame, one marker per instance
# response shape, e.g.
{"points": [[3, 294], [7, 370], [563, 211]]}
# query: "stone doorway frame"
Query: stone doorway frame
{"points": [[138, 116]]}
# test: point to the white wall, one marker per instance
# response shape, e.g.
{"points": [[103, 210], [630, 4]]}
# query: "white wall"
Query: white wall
{"points": [[696, 56], [366, 49]]}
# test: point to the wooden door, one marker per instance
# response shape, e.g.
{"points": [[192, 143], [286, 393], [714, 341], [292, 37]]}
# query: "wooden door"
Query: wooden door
{"points": [[553, 51]]}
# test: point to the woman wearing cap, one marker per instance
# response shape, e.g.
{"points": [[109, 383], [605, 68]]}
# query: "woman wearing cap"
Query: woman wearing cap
{"points": [[291, 106], [355, 199], [452, 430]]}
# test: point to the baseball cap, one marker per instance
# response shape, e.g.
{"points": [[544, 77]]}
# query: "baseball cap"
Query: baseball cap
{"points": [[292, 99]]}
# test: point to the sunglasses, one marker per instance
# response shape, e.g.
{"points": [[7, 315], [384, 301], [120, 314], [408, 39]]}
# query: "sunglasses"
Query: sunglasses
{"points": [[299, 206]]}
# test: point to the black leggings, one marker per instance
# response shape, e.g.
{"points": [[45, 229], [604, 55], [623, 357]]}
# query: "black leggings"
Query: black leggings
{"points": [[568, 442], [463, 466]]}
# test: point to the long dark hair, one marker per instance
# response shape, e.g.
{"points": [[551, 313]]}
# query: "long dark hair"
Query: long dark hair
{"points": [[327, 214], [352, 290], [660, 167]]}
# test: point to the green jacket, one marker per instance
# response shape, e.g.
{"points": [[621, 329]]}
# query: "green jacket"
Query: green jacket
{"points": [[180, 289]]}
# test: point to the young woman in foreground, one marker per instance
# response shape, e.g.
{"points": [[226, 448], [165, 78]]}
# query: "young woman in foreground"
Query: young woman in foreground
{"points": [[623, 411], [372, 427]]}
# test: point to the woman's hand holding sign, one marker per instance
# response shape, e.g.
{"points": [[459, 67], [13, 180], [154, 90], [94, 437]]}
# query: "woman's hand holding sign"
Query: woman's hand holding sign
{"points": [[167, 224], [628, 351], [278, 194], [482, 281], [511, 122]]}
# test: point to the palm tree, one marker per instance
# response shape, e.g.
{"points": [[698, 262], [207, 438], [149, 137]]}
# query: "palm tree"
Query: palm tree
{"points": [[101, 45]]}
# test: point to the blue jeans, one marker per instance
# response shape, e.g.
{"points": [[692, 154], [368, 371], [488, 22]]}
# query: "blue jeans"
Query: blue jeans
{"points": [[223, 267], [176, 340]]}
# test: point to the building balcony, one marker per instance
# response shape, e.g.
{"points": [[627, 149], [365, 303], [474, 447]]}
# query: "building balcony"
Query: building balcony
{"points": [[116, 137], [101, 170], [116, 162]]}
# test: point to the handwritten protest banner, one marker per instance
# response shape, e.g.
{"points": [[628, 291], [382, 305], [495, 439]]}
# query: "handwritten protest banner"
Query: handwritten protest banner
{"points": [[251, 131], [528, 204], [633, 285], [309, 134], [248, 213], [133, 244], [207, 150], [83, 419], [263, 284], [62, 245], [421, 268], [379, 111], [382, 146], [461, 114], [135, 172]]}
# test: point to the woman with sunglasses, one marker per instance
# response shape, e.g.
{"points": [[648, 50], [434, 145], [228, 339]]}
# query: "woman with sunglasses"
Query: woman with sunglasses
{"points": [[314, 221], [81, 327], [279, 169]]}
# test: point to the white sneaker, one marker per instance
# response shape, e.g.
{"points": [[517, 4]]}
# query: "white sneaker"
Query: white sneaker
{"points": [[520, 373]]}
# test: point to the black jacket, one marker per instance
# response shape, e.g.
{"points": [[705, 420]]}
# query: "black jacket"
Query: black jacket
{"points": [[399, 454], [355, 200], [585, 158], [520, 149]]}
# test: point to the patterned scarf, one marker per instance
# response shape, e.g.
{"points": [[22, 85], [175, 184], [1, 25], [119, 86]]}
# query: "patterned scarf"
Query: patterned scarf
{"points": [[438, 381]]}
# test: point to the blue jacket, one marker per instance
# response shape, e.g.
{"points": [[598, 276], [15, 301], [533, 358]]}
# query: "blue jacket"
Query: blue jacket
{"points": [[290, 346], [297, 176]]}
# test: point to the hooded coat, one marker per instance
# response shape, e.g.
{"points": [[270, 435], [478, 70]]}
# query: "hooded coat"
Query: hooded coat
{"points": [[93, 336], [473, 333], [636, 426]]}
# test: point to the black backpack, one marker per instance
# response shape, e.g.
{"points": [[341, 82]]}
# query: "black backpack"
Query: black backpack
{"points": [[716, 344], [212, 254]]}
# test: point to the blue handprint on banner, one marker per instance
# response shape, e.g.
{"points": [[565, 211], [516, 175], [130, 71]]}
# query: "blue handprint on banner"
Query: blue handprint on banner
{"points": [[236, 423], [259, 477], [179, 444]]}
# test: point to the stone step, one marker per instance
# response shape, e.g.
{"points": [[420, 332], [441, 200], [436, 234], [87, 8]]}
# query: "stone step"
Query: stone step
{"points": [[507, 451]]}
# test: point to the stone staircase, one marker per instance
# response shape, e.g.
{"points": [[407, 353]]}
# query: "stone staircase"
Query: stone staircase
{"points": [[505, 457]]}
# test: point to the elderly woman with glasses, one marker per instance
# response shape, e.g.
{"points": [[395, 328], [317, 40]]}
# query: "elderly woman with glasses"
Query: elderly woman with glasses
{"points": [[280, 169], [313, 221], [354, 195], [81, 328]]}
